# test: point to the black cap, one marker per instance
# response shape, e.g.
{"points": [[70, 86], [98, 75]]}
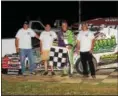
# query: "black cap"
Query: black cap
{"points": [[26, 22]]}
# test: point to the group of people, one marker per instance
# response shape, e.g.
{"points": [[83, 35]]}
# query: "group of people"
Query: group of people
{"points": [[84, 45]]}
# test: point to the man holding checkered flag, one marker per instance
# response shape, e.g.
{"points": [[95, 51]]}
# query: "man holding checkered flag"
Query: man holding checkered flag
{"points": [[67, 40]]}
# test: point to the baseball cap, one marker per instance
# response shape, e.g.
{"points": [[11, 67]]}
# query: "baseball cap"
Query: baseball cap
{"points": [[26, 22]]}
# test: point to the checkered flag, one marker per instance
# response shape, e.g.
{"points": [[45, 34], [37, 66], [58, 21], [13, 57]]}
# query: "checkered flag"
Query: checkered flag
{"points": [[58, 56]]}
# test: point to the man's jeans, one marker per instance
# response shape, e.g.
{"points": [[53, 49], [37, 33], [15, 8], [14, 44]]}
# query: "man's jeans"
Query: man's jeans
{"points": [[26, 53]]}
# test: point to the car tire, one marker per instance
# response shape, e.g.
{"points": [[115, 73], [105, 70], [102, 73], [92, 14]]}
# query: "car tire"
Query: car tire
{"points": [[4, 71], [79, 68], [19, 72]]}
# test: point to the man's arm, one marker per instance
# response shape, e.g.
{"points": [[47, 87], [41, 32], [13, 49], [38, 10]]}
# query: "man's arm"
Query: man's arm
{"points": [[40, 46], [17, 44], [78, 43], [93, 41], [40, 38], [34, 34], [92, 45], [37, 36], [17, 37], [78, 46], [71, 39]]}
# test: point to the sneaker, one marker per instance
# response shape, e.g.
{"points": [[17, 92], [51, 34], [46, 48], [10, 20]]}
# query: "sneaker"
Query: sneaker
{"points": [[59, 68], [93, 76], [45, 73], [24, 74], [64, 75], [85, 76], [33, 73], [70, 75], [53, 73]]}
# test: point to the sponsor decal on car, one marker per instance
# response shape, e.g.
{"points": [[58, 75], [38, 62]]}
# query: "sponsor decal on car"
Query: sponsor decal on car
{"points": [[109, 58], [105, 45]]}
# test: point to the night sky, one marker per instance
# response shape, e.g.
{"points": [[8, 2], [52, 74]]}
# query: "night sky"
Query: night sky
{"points": [[14, 13]]}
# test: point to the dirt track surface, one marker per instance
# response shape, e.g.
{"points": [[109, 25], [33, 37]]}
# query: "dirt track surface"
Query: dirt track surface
{"points": [[33, 78], [109, 76], [58, 79]]}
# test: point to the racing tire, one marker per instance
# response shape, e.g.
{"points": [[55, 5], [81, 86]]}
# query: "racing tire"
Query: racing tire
{"points": [[19, 72], [4, 71], [79, 67]]}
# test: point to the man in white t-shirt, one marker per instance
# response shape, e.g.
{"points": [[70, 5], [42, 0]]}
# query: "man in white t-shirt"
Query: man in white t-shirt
{"points": [[24, 46], [46, 40], [85, 45]]}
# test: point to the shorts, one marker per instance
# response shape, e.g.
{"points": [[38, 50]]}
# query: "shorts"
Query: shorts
{"points": [[45, 55]]}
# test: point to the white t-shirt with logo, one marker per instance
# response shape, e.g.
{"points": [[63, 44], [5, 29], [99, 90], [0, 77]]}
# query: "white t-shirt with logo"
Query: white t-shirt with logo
{"points": [[47, 39], [85, 38], [24, 37]]}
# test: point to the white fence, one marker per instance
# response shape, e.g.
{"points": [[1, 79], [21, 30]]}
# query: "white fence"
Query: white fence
{"points": [[8, 46]]}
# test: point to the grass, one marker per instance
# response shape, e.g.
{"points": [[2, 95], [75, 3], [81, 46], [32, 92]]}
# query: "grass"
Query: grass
{"points": [[50, 88]]}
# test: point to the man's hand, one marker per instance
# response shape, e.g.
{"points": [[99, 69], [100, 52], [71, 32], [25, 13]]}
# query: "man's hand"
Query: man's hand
{"points": [[91, 51], [41, 51], [17, 50], [37, 36], [77, 51], [92, 46], [69, 47]]}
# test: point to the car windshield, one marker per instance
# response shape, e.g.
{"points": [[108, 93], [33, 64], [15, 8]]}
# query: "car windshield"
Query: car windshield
{"points": [[37, 25]]}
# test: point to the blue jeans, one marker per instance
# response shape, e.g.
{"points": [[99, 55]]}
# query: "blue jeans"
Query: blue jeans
{"points": [[26, 53]]}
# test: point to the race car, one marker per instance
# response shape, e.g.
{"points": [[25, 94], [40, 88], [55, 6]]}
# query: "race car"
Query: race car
{"points": [[11, 64]]}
